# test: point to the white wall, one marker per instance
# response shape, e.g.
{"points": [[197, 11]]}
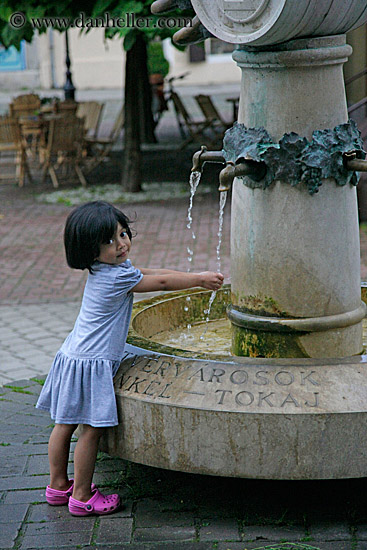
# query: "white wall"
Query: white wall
{"points": [[95, 63]]}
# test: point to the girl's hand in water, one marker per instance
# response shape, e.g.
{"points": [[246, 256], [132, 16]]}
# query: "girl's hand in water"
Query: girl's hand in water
{"points": [[211, 280]]}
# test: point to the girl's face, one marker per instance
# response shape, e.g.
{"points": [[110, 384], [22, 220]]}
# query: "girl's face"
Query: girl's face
{"points": [[117, 250]]}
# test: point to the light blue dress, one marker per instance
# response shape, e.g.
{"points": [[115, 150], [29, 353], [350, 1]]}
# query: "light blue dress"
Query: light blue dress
{"points": [[79, 386]]}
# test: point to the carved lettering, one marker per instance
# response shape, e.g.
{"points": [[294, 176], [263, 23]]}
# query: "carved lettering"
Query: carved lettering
{"points": [[245, 394], [316, 403], [262, 380], [163, 367], [284, 378], [199, 373], [222, 395], [164, 389], [137, 359], [216, 373], [239, 377], [265, 398], [149, 364], [308, 377], [135, 383], [178, 367], [145, 392], [290, 399]]}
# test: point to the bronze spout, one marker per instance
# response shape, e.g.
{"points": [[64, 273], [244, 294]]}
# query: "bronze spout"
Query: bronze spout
{"points": [[226, 177], [201, 157], [256, 170]]}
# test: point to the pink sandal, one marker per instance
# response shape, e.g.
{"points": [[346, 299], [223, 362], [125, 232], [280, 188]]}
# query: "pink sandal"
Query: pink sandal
{"points": [[99, 504], [55, 497]]}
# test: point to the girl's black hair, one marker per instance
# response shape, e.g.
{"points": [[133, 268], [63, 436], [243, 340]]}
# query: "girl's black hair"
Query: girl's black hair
{"points": [[86, 228]]}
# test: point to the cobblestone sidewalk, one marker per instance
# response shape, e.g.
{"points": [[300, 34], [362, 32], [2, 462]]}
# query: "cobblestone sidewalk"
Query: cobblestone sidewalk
{"points": [[164, 510]]}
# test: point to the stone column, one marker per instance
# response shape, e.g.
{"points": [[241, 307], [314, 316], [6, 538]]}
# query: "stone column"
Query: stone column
{"points": [[295, 258]]}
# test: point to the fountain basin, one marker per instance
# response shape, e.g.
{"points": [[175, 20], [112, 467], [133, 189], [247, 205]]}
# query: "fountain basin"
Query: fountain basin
{"points": [[247, 417]]}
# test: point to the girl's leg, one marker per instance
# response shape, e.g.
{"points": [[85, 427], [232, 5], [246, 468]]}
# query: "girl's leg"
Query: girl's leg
{"points": [[85, 455], [58, 455]]}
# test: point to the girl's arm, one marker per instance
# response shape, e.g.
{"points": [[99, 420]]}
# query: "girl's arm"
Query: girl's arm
{"points": [[177, 280], [146, 271]]}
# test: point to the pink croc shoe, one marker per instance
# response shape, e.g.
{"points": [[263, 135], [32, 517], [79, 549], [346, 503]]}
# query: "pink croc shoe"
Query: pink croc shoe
{"points": [[55, 497], [99, 504]]}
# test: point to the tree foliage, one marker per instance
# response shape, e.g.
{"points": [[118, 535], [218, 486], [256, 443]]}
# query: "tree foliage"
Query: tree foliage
{"points": [[138, 114]]}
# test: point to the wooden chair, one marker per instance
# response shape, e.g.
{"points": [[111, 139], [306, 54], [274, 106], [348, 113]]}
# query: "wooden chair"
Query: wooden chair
{"points": [[195, 129], [98, 148], [64, 144], [11, 142], [211, 113], [91, 111], [25, 105], [67, 107]]}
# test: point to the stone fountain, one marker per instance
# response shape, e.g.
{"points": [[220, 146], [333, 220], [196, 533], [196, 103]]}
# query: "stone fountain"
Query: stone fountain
{"points": [[291, 402]]}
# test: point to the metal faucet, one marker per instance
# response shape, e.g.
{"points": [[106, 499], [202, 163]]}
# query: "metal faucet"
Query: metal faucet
{"points": [[201, 157], [256, 170]]}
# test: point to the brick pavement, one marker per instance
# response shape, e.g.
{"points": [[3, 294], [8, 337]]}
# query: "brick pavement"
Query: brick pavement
{"points": [[163, 510]]}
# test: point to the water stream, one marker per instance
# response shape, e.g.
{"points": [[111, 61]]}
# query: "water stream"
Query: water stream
{"points": [[194, 182], [222, 203]]}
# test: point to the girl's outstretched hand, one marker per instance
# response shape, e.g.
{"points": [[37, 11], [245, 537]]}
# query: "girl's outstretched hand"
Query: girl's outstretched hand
{"points": [[211, 280]]}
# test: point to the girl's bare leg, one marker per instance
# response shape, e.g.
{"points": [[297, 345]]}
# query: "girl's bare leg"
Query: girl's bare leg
{"points": [[58, 455], [85, 455]]}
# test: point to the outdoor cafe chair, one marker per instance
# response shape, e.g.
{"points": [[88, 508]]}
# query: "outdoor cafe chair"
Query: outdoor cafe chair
{"points": [[195, 129], [211, 113], [63, 147], [12, 150], [98, 148], [25, 105], [91, 111]]}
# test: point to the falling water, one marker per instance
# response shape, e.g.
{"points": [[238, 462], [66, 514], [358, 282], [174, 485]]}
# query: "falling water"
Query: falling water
{"points": [[222, 203], [194, 182]]}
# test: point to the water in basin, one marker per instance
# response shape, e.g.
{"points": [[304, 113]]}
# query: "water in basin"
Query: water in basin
{"points": [[217, 337]]}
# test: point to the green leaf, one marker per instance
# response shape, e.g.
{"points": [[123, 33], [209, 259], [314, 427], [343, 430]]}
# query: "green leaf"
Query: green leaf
{"points": [[100, 7], [129, 40]]}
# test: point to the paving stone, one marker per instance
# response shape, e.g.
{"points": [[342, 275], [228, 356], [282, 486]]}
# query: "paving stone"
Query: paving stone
{"points": [[50, 541], [28, 449], [149, 513], [273, 532], [12, 512], [178, 545], [166, 533], [115, 530], [330, 532], [55, 528], [18, 397], [217, 529], [261, 545], [32, 419], [8, 408], [124, 512], [12, 465], [37, 465], [8, 534], [335, 545], [32, 496], [24, 482]]}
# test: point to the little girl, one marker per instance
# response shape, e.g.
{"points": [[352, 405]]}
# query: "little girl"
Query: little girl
{"points": [[79, 386]]}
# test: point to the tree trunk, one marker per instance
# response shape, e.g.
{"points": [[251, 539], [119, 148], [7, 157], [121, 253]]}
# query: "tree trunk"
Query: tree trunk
{"points": [[138, 114]]}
